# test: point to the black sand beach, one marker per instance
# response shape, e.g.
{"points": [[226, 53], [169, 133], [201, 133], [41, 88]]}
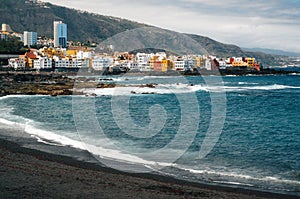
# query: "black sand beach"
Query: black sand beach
{"points": [[30, 173]]}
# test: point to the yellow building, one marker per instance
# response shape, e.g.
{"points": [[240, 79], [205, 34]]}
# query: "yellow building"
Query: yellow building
{"points": [[50, 52], [200, 62], [166, 65], [251, 62], [71, 53], [238, 64]]}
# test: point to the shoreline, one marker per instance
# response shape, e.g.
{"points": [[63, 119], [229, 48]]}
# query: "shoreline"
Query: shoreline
{"points": [[38, 173]]}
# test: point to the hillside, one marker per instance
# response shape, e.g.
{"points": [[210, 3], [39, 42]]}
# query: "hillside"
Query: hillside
{"points": [[83, 26], [273, 52]]}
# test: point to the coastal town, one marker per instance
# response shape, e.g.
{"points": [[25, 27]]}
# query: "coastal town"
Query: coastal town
{"points": [[49, 63], [59, 54]]}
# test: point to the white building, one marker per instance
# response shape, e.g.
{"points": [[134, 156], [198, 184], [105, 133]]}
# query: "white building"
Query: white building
{"points": [[144, 66], [42, 63], [179, 65], [238, 59], [83, 55], [29, 38], [161, 55], [3, 36], [61, 63], [208, 65], [133, 65], [79, 63], [143, 60], [6, 28], [222, 64], [102, 63], [17, 63]]}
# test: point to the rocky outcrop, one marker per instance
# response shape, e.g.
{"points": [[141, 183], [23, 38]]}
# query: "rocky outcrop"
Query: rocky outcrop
{"points": [[45, 84]]}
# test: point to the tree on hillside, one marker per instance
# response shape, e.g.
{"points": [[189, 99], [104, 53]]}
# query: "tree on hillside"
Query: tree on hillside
{"points": [[12, 45]]}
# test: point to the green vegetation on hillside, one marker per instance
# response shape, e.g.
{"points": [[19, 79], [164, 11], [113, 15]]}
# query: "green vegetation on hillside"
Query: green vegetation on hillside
{"points": [[12, 45]]}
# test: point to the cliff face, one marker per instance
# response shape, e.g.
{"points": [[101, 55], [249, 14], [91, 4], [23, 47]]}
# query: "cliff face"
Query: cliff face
{"points": [[82, 26]]}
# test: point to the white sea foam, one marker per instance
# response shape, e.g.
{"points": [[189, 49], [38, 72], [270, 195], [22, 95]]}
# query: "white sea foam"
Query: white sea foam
{"points": [[241, 176], [49, 137], [96, 150], [134, 89], [272, 87], [295, 74], [58, 139], [45, 142], [155, 77], [9, 119], [234, 183], [181, 88], [10, 123], [247, 83], [14, 96]]}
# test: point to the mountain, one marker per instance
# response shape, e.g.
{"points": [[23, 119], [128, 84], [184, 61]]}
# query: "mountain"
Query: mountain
{"points": [[24, 15], [273, 52], [32, 15]]}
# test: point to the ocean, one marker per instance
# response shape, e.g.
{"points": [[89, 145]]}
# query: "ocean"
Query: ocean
{"points": [[237, 131]]}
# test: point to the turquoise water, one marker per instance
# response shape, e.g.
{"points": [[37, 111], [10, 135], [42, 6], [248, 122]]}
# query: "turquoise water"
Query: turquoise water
{"points": [[257, 146]]}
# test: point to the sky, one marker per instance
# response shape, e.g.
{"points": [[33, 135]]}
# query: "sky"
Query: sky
{"points": [[273, 24]]}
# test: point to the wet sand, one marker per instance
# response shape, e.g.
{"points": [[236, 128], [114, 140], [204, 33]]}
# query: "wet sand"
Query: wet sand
{"points": [[31, 173]]}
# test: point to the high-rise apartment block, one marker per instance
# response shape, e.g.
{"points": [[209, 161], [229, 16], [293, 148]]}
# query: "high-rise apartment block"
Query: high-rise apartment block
{"points": [[29, 38], [60, 34]]}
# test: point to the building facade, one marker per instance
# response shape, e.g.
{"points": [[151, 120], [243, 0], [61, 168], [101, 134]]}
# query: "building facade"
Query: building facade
{"points": [[60, 34], [30, 38]]}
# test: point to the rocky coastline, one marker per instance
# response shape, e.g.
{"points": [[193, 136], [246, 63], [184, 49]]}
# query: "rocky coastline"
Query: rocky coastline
{"points": [[63, 83], [53, 84]]}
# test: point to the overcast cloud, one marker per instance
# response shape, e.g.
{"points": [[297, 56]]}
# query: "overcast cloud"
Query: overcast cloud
{"points": [[246, 23]]}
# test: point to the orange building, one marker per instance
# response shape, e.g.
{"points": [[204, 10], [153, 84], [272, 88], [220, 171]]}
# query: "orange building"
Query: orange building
{"points": [[257, 66], [157, 65], [29, 58]]}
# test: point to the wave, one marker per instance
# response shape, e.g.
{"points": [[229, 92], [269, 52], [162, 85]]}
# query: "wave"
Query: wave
{"points": [[10, 123], [234, 183], [14, 96], [72, 139], [44, 141], [60, 139], [52, 138], [101, 150], [180, 89], [241, 176], [247, 83], [7, 118], [294, 74], [156, 77]]}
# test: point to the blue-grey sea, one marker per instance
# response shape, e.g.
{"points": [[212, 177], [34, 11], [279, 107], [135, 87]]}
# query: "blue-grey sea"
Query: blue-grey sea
{"points": [[232, 131]]}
